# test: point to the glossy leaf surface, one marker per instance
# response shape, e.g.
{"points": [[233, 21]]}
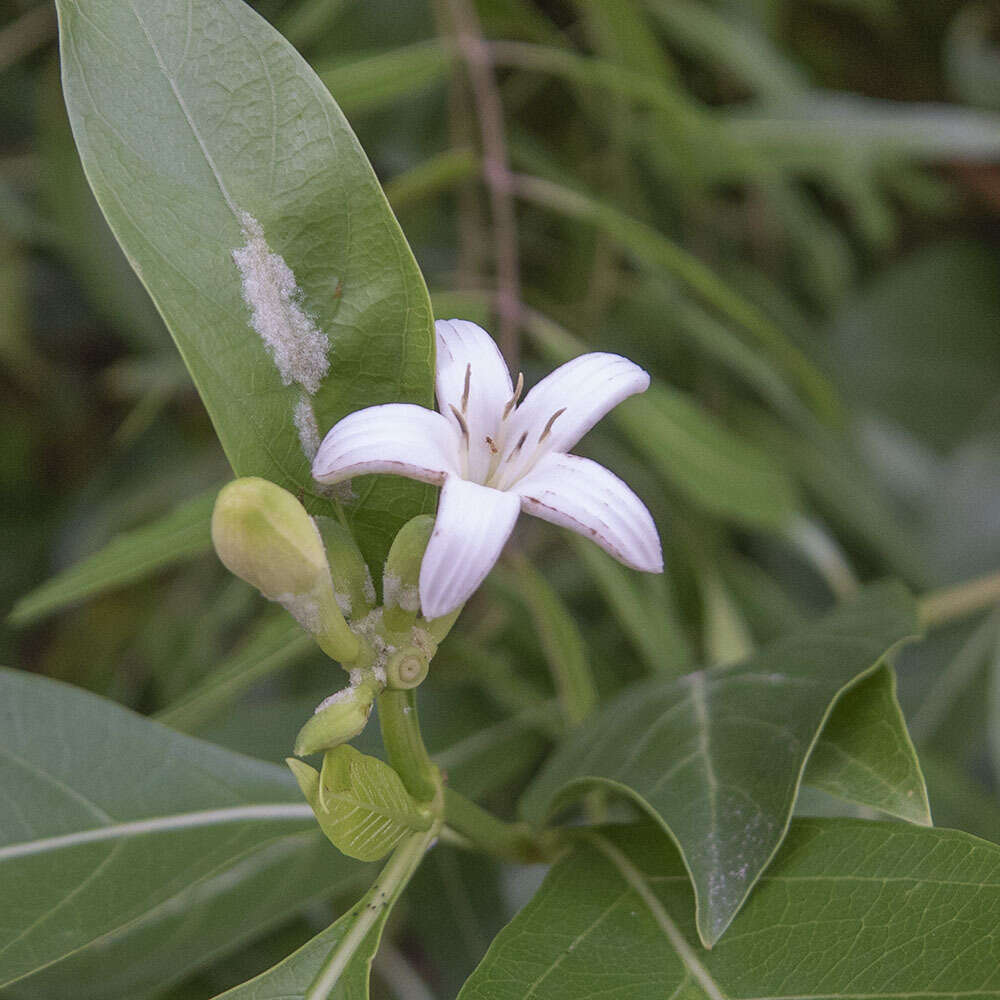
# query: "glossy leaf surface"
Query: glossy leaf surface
{"points": [[717, 756]]}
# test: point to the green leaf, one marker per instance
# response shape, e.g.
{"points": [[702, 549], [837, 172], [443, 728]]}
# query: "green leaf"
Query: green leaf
{"points": [[292, 978], [250, 212], [561, 643], [133, 555], [119, 837], [360, 802], [864, 753], [716, 757], [849, 908], [380, 78]]}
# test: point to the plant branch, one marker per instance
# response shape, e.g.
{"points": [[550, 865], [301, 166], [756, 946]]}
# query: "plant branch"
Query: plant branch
{"points": [[404, 746], [949, 604], [483, 831], [478, 60]]}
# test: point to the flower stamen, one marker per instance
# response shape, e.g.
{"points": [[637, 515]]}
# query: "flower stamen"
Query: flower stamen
{"points": [[465, 391], [461, 423], [493, 445], [548, 427], [513, 399]]}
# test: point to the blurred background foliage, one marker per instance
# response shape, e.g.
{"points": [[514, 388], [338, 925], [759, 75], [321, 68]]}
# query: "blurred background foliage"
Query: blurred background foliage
{"points": [[788, 211]]}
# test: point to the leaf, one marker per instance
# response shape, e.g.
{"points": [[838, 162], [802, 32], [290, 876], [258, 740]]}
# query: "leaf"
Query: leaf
{"points": [[181, 534], [229, 176], [561, 642], [379, 78], [292, 978], [360, 803], [865, 754], [849, 908], [716, 757], [118, 833]]}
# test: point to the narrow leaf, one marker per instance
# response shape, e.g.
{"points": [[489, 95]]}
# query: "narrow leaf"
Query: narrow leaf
{"points": [[181, 534], [716, 757]]}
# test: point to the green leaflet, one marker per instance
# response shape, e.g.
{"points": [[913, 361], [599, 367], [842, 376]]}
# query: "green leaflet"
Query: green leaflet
{"points": [[849, 908], [360, 802], [181, 534], [864, 753], [125, 843], [247, 207], [717, 756]]}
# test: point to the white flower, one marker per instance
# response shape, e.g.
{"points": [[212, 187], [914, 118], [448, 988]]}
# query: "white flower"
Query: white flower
{"points": [[496, 458]]}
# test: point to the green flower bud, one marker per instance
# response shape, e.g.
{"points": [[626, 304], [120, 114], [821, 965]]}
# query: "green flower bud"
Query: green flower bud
{"points": [[337, 719], [352, 583], [264, 536], [400, 581]]}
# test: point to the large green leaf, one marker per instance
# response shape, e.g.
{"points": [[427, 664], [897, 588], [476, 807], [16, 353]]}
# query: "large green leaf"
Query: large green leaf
{"points": [[717, 756], [247, 207], [849, 909], [121, 836]]}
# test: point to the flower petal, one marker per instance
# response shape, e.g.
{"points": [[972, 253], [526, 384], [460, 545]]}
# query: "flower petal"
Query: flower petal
{"points": [[473, 523], [464, 348], [580, 392], [581, 495], [398, 438]]}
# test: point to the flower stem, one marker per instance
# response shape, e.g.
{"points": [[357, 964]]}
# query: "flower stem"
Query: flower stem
{"points": [[397, 714], [513, 841], [383, 894], [953, 603]]}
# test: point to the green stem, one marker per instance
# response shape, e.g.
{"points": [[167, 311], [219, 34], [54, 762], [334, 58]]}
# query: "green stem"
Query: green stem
{"points": [[397, 713], [953, 603], [513, 841], [382, 894]]}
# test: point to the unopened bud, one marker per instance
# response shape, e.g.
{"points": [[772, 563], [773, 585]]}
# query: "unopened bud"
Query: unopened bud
{"points": [[337, 719], [400, 582], [264, 536]]}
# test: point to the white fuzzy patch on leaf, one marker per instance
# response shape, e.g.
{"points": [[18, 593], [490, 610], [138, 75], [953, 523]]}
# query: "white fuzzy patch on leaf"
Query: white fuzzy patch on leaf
{"points": [[305, 424], [298, 347]]}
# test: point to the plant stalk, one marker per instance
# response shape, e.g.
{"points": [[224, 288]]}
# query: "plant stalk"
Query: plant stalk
{"points": [[949, 604], [512, 841], [404, 746]]}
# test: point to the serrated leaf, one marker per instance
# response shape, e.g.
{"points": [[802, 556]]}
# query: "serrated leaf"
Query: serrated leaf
{"points": [[181, 534], [716, 757], [118, 834], [864, 753], [360, 802], [247, 207], [849, 909]]}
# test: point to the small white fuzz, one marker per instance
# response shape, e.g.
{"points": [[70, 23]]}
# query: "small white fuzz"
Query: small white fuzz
{"points": [[400, 595], [298, 347], [334, 699], [305, 423], [344, 603], [304, 610]]}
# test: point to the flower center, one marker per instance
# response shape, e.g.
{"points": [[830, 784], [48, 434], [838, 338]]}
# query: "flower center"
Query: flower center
{"points": [[499, 459]]}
